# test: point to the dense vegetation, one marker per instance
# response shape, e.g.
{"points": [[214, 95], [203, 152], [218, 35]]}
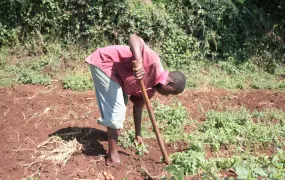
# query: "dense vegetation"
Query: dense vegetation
{"points": [[50, 39], [181, 30]]}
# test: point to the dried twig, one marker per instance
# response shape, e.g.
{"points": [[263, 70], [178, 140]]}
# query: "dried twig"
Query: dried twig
{"points": [[32, 117], [59, 152], [34, 95]]}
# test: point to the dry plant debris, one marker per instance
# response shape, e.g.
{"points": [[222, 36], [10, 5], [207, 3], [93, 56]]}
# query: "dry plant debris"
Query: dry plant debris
{"points": [[57, 150]]}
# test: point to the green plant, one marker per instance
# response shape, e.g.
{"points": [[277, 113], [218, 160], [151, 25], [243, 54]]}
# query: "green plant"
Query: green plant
{"points": [[191, 162], [127, 138], [8, 36], [175, 171], [228, 75], [242, 138], [8, 75], [171, 120], [179, 49], [140, 148], [32, 77], [78, 82], [181, 31]]}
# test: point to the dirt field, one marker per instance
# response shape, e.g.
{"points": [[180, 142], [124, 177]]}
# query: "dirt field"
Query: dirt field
{"points": [[29, 115]]}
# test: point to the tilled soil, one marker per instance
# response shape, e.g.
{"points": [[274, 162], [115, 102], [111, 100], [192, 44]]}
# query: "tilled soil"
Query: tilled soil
{"points": [[30, 114]]}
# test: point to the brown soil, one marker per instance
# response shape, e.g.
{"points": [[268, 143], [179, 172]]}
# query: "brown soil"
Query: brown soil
{"points": [[30, 114]]}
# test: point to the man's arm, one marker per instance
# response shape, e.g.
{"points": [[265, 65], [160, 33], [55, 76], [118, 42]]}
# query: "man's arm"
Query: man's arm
{"points": [[137, 114], [135, 46], [138, 104]]}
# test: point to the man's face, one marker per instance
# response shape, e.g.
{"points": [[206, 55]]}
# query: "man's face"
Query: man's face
{"points": [[166, 90]]}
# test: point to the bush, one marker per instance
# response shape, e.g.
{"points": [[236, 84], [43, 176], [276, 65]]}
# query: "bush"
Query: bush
{"points": [[78, 82], [8, 36], [235, 28], [33, 77], [181, 31]]}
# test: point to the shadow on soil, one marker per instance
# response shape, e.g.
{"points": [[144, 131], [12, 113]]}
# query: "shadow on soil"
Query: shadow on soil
{"points": [[89, 138]]}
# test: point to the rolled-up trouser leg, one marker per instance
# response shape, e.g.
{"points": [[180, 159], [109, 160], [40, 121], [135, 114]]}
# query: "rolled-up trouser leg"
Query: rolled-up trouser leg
{"points": [[110, 98]]}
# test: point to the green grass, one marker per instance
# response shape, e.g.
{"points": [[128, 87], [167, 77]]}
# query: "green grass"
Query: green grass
{"points": [[78, 81], [237, 140], [227, 75], [170, 119], [7, 76], [23, 65], [33, 65]]}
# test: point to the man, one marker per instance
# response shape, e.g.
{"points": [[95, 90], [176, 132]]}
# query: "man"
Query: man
{"points": [[115, 81]]}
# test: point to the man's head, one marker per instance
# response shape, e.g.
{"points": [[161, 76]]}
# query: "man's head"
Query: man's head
{"points": [[175, 84]]}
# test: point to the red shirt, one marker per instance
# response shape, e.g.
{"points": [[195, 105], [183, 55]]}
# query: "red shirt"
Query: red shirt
{"points": [[116, 62]]}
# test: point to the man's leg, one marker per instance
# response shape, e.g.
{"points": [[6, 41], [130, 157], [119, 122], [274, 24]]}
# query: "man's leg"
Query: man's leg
{"points": [[111, 102], [113, 155]]}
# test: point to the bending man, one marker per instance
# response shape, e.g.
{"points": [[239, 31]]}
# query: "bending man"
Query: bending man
{"points": [[115, 82]]}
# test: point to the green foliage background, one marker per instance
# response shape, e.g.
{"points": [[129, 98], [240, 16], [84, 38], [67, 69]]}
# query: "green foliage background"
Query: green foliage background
{"points": [[180, 30]]}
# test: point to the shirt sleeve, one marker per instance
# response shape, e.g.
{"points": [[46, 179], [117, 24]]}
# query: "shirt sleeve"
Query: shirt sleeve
{"points": [[137, 98]]}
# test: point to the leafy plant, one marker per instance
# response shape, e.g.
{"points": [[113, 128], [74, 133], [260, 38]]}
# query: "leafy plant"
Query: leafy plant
{"points": [[33, 77], [171, 120], [127, 138], [78, 82], [241, 139], [140, 148], [175, 171]]}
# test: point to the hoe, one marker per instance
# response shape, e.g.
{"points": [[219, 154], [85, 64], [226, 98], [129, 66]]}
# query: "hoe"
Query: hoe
{"points": [[152, 118]]}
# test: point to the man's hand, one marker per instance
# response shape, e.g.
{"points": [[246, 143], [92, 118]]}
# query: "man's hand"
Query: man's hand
{"points": [[138, 71]]}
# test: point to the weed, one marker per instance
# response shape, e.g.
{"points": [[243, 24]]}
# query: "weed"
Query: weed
{"points": [[171, 120], [140, 148], [127, 138], [175, 171], [78, 82], [8, 75], [227, 75], [17, 66], [243, 135], [33, 77], [32, 178]]}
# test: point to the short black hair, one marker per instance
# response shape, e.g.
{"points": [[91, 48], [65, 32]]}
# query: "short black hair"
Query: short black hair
{"points": [[179, 80]]}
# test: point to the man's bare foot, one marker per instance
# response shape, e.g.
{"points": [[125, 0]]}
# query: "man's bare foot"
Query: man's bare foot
{"points": [[113, 159], [113, 155]]}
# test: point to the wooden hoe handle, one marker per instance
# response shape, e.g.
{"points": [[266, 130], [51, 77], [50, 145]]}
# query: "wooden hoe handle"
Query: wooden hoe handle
{"points": [[152, 118]]}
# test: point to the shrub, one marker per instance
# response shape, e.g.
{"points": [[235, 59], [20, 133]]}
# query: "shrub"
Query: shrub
{"points": [[8, 36], [181, 31], [33, 77], [77, 82]]}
